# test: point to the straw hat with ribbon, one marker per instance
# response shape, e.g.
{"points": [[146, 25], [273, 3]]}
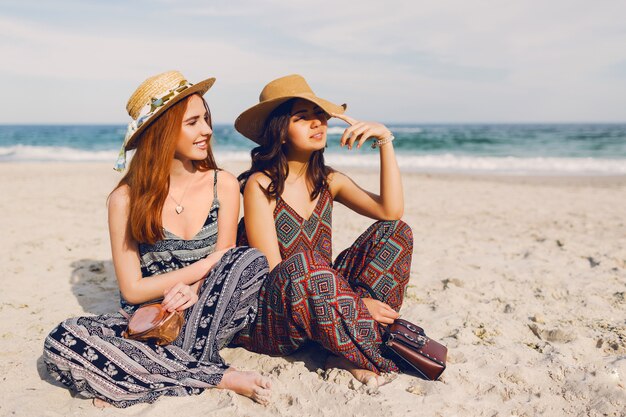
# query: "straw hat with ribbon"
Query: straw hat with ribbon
{"points": [[153, 97], [251, 122]]}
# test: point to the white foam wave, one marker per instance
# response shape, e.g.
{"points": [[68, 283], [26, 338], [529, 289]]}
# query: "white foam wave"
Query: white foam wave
{"points": [[338, 130], [24, 153], [417, 163], [449, 163], [335, 130], [491, 165], [405, 129]]}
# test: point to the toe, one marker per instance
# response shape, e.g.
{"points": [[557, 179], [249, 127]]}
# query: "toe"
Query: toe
{"points": [[372, 382], [261, 399]]}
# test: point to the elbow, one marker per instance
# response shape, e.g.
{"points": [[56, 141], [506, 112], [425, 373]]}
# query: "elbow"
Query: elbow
{"points": [[131, 296], [395, 214]]}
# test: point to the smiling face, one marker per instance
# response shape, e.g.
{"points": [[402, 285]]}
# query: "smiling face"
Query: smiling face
{"points": [[307, 127], [195, 132]]}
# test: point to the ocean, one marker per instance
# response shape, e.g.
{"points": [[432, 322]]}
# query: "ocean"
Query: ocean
{"points": [[510, 149]]}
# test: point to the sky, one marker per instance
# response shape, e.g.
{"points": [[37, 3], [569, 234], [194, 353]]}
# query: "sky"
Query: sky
{"points": [[395, 61]]}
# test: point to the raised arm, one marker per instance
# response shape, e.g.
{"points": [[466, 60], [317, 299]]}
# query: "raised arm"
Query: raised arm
{"points": [[259, 218], [133, 287], [389, 204]]}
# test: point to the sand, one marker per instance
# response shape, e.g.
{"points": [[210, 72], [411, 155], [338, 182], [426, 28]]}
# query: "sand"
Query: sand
{"points": [[524, 279]]}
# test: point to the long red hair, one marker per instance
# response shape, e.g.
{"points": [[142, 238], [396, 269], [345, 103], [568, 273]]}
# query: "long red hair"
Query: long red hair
{"points": [[148, 175]]}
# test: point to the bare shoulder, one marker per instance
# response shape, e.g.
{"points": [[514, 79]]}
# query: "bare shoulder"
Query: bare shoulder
{"points": [[336, 180], [227, 181], [256, 187], [260, 178], [119, 199]]}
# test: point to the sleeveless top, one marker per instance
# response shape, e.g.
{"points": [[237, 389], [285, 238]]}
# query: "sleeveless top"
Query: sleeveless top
{"points": [[296, 234], [173, 252]]}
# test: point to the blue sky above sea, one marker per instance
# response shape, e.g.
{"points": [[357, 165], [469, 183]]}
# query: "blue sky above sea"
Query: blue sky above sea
{"points": [[410, 62]]}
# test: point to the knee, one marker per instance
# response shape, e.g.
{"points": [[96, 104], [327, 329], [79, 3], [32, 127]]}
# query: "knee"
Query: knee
{"points": [[398, 229], [61, 333], [404, 230]]}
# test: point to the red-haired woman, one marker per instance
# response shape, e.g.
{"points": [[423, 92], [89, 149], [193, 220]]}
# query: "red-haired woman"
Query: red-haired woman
{"points": [[288, 200], [172, 224]]}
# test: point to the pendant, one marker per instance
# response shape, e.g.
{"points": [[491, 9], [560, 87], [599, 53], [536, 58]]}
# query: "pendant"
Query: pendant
{"points": [[179, 209]]}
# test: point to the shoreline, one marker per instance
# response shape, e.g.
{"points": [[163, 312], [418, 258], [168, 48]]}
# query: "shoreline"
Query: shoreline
{"points": [[236, 167]]}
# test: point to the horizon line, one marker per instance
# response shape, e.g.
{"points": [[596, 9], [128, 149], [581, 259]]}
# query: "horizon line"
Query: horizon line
{"points": [[5, 124]]}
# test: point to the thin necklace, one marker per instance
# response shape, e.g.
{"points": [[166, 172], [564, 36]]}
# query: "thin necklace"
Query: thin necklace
{"points": [[179, 205]]}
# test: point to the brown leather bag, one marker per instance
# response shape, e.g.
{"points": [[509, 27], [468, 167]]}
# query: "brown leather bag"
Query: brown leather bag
{"points": [[410, 346], [151, 323], [409, 342]]}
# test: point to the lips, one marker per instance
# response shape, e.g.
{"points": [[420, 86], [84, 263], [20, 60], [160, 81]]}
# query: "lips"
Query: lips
{"points": [[318, 135], [201, 144]]}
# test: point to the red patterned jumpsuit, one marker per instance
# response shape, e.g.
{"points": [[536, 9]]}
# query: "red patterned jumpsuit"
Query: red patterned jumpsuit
{"points": [[308, 297]]}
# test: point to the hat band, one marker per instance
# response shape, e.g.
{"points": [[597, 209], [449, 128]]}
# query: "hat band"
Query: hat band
{"points": [[145, 114]]}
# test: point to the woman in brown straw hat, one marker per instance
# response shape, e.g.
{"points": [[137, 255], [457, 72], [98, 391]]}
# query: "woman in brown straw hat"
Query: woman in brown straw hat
{"points": [[288, 198], [172, 239]]}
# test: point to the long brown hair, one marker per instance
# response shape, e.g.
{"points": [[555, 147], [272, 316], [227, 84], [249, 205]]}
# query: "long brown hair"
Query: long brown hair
{"points": [[148, 175], [270, 158]]}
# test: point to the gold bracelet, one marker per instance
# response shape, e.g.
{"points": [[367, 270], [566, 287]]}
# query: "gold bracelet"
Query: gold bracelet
{"points": [[381, 142]]}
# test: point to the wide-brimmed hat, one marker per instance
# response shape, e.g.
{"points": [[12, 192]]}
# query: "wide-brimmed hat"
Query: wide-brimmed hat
{"points": [[151, 99], [251, 122]]}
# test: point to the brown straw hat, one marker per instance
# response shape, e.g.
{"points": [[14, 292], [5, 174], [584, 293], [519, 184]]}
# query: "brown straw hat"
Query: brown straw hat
{"points": [[160, 92], [151, 99], [251, 122]]}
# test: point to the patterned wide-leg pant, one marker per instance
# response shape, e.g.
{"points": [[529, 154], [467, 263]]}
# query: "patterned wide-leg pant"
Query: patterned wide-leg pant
{"points": [[90, 356], [305, 298]]}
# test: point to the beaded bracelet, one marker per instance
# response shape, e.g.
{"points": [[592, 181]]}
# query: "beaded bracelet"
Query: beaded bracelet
{"points": [[381, 142]]}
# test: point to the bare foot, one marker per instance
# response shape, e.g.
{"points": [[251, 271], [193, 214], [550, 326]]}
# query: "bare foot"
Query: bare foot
{"points": [[248, 384], [98, 403], [364, 376]]}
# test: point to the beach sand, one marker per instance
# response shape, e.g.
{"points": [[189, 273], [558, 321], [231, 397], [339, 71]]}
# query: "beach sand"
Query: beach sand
{"points": [[524, 279]]}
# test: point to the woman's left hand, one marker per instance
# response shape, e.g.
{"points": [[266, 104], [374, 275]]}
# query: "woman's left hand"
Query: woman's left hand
{"points": [[179, 297], [359, 132], [381, 312]]}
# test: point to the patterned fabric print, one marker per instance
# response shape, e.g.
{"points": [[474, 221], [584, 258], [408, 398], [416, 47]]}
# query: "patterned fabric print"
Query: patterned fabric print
{"points": [[296, 234], [90, 356], [307, 298], [381, 259], [173, 253], [232, 304]]}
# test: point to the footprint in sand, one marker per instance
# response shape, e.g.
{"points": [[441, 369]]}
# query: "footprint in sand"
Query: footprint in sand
{"points": [[552, 335]]}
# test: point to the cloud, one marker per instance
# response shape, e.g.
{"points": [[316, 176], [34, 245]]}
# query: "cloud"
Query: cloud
{"points": [[435, 61]]}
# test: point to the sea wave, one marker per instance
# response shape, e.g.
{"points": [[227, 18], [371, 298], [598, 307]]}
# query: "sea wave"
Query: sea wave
{"points": [[25, 153], [444, 163], [335, 130], [338, 130], [491, 165], [449, 163]]}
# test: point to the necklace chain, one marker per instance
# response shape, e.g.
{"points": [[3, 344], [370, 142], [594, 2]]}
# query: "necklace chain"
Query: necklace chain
{"points": [[179, 205]]}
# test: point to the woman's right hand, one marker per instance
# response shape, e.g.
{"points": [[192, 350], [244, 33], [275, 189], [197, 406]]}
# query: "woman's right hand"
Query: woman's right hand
{"points": [[381, 312], [179, 297]]}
